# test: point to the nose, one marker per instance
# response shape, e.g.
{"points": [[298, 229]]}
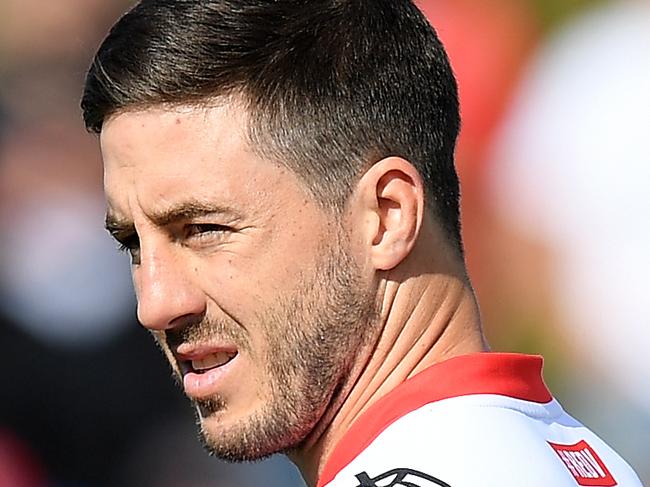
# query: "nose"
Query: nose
{"points": [[167, 294]]}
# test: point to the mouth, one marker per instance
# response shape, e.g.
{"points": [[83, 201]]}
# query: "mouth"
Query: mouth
{"points": [[208, 362], [203, 369]]}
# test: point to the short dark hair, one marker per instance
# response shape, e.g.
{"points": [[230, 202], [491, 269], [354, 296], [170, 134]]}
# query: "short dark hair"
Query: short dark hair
{"points": [[331, 86]]}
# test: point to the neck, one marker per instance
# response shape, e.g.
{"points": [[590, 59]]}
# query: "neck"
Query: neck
{"points": [[425, 319]]}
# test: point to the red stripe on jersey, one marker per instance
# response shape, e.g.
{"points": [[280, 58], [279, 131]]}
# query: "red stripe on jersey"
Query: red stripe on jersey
{"points": [[506, 374]]}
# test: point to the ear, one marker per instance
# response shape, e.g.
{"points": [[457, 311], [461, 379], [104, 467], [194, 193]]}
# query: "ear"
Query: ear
{"points": [[391, 193]]}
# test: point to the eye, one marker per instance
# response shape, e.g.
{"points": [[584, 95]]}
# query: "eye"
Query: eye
{"points": [[204, 231], [132, 247]]}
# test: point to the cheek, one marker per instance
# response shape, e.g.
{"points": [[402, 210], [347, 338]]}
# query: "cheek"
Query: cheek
{"points": [[250, 280], [260, 279], [236, 288]]}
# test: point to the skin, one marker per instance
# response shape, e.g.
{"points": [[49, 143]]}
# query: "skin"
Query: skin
{"points": [[327, 312]]}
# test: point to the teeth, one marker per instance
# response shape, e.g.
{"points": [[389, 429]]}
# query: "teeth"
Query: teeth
{"points": [[211, 361]]}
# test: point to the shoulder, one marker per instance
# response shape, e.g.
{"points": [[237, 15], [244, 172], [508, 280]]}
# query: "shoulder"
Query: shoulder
{"points": [[481, 419], [461, 441], [485, 440]]}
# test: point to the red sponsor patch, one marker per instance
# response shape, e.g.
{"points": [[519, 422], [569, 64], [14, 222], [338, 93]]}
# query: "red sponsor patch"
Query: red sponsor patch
{"points": [[584, 464]]}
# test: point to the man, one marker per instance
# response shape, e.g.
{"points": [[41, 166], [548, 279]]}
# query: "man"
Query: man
{"points": [[282, 175]]}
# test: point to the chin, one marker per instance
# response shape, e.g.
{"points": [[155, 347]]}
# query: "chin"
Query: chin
{"points": [[234, 445], [251, 438]]}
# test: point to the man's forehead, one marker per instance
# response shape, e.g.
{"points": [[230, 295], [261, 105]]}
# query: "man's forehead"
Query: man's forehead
{"points": [[180, 163], [159, 153], [128, 137]]}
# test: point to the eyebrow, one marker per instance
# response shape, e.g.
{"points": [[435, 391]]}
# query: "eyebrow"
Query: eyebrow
{"points": [[186, 210]]}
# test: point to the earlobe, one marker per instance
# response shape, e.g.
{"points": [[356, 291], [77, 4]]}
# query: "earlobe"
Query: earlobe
{"points": [[393, 192]]}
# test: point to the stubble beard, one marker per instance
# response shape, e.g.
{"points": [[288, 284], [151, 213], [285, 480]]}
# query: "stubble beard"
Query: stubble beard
{"points": [[314, 335]]}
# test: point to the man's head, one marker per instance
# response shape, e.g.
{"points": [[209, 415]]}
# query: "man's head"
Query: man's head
{"points": [[264, 161], [331, 86]]}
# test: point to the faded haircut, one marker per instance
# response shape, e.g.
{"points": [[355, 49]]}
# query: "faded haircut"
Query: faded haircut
{"points": [[330, 86]]}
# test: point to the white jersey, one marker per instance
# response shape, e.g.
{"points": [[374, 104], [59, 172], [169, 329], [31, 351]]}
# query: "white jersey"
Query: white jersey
{"points": [[480, 420]]}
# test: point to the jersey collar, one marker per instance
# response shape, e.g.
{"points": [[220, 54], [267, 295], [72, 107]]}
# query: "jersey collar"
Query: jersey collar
{"points": [[507, 374]]}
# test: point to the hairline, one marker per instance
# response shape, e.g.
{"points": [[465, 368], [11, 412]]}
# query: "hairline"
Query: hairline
{"points": [[237, 98]]}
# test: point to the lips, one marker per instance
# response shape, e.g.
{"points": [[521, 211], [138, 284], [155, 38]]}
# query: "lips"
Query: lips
{"points": [[204, 368]]}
